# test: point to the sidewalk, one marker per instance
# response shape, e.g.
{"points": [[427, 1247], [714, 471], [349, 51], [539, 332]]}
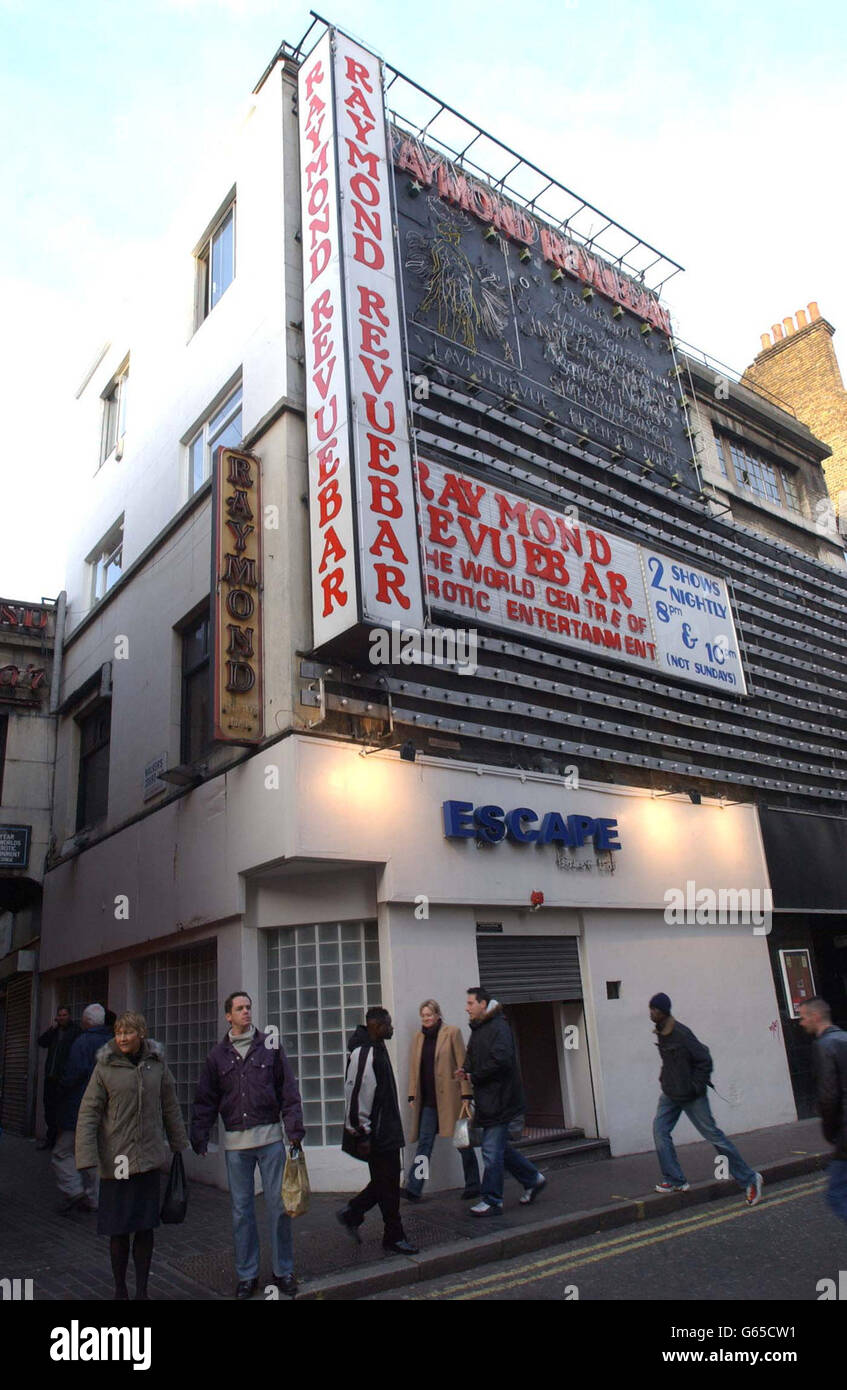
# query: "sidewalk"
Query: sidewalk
{"points": [[66, 1259]]}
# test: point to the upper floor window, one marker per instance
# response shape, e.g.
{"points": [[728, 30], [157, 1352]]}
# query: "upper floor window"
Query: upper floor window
{"points": [[216, 263], [195, 715], [93, 783], [106, 561], [223, 427], [752, 471], [114, 414]]}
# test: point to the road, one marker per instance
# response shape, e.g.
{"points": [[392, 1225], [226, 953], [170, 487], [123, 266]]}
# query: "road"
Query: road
{"points": [[781, 1249]]}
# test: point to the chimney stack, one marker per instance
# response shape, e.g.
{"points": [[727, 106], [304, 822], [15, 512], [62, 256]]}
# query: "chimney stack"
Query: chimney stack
{"points": [[788, 324], [801, 318], [814, 311], [776, 329], [766, 341]]}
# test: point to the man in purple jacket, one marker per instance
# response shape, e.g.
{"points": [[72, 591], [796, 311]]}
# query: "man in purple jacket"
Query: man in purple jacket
{"points": [[248, 1081]]}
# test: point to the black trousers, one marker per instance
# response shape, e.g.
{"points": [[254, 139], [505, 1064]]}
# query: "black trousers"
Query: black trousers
{"points": [[382, 1190], [51, 1094]]}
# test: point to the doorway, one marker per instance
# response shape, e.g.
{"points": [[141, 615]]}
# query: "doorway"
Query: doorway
{"points": [[534, 1027]]}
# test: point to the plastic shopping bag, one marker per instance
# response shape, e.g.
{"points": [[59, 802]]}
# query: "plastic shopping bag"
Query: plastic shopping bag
{"points": [[295, 1183]]}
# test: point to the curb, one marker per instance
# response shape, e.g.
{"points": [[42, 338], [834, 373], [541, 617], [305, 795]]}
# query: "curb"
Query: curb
{"points": [[452, 1258]]}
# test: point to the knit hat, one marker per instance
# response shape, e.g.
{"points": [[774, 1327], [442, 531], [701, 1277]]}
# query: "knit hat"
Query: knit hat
{"points": [[661, 1002]]}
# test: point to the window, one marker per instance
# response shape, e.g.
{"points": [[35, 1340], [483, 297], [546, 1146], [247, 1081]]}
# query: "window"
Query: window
{"points": [[751, 471], [320, 981], [93, 787], [195, 719], [106, 561], [216, 264], [114, 414], [180, 990], [223, 428]]}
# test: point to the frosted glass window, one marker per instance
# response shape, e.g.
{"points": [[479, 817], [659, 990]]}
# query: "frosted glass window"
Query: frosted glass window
{"points": [[316, 998]]}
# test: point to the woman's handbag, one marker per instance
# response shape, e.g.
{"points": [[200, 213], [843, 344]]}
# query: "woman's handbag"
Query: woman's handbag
{"points": [[175, 1204], [467, 1135], [295, 1183]]}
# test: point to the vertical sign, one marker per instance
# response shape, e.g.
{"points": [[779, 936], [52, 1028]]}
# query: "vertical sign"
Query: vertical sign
{"points": [[388, 537], [237, 616], [365, 555], [335, 601]]}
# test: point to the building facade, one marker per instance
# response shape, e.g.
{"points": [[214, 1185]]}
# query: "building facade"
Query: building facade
{"points": [[28, 636], [418, 638]]}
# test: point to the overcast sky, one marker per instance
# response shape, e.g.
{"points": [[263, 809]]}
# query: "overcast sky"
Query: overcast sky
{"points": [[714, 131]]}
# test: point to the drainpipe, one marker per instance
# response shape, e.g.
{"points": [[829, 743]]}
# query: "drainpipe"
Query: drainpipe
{"points": [[58, 650]]}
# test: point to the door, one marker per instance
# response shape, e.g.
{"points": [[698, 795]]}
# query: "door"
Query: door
{"points": [[534, 1029]]}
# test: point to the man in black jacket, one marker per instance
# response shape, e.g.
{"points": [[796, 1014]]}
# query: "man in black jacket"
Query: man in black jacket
{"points": [[831, 1078], [373, 1130], [686, 1068], [492, 1068], [57, 1039]]}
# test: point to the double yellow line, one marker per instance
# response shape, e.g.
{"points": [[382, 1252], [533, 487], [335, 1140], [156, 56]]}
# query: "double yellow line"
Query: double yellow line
{"points": [[491, 1285]]}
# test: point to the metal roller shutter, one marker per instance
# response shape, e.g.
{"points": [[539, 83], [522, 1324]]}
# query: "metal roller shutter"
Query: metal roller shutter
{"points": [[526, 969], [15, 1060]]}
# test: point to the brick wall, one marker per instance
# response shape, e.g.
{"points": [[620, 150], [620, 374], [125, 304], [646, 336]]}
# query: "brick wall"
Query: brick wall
{"points": [[798, 364]]}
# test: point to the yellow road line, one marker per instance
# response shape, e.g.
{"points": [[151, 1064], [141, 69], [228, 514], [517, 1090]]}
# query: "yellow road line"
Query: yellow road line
{"points": [[608, 1249]]}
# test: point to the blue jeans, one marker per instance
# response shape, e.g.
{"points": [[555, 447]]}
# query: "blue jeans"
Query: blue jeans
{"points": [[837, 1193], [240, 1166], [700, 1116], [427, 1135], [497, 1154]]}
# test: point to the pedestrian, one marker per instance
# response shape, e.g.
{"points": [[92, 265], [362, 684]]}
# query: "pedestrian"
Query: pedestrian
{"points": [[437, 1050], [830, 1053], [248, 1081], [79, 1190], [57, 1039], [129, 1108], [491, 1066], [373, 1130], [684, 1077]]}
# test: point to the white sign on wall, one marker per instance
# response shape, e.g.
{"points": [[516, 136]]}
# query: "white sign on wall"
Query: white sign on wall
{"points": [[365, 556], [496, 558]]}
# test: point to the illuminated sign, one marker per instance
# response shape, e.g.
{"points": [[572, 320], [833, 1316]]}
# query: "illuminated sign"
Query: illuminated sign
{"points": [[502, 560], [236, 586], [523, 826], [365, 558]]}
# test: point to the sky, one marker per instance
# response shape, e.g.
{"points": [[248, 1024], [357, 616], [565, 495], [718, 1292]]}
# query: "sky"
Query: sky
{"points": [[713, 131]]}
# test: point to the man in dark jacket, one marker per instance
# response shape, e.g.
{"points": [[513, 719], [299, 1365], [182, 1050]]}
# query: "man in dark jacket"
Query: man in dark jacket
{"points": [[248, 1081], [491, 1066], [686, 1068], [830, 1051], [57, 1039], [78, 1189], [373, 1130]]}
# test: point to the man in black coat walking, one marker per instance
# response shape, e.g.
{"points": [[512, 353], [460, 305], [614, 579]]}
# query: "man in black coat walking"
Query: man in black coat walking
{"points": [[831, 1080], [684, 1078], [57, 1039], [491, 1065], [373, 1130]]}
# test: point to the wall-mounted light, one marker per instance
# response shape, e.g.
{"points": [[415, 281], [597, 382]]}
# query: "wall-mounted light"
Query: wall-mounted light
{"points": [[524, 254], [676, 480], [490, 233], [695, 798], [413, 188], [646, 329], [583, 441], [408, 751], [617, 311], [557, 275], [587, 292]]}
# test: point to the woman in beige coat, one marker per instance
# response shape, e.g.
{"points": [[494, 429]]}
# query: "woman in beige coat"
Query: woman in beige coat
{"points": [[438, 1049], [128, 1108]]}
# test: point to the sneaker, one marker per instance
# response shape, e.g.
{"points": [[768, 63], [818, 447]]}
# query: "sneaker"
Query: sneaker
{"points": [[754, 1190], [671, 1186], [485, 1209], [531, 1193]]}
